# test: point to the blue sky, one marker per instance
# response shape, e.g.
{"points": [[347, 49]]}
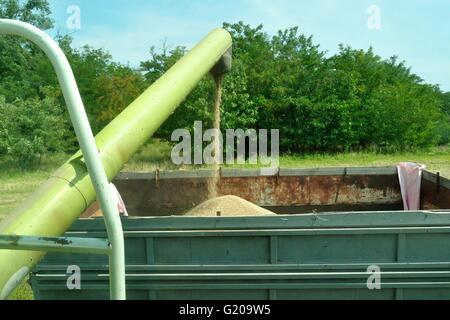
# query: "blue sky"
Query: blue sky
{"points": [[418, 31]]}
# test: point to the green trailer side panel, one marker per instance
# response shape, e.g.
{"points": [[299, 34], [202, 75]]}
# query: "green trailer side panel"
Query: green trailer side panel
{"points": [[245, 259]]}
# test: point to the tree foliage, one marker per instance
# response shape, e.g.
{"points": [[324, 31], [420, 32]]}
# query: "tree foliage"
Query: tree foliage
{"points": [[30, 128], [351, 100]]}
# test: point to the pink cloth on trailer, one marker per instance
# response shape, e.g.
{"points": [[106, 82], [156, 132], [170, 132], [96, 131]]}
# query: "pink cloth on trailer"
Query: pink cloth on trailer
{"points": [[410, 177], [120, 204]]}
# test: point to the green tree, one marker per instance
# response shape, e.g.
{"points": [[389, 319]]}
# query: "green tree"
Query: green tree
{"points": [[18, 56], [30, 128], [113, 91], [197, 106], [446, 103], [352, 100]]}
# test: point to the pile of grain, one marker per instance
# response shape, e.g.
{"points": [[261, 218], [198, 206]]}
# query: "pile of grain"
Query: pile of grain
{"points": [[228, 206]]}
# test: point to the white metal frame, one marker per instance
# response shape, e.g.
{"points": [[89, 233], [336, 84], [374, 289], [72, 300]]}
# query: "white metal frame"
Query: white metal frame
{"points": [[88, 146]]}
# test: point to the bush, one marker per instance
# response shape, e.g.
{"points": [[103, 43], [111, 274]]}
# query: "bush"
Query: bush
{"points": [[353, 100], [30, 128]]}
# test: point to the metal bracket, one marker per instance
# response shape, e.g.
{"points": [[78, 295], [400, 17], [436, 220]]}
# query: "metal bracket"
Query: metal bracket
{"points": [[72, 245]]}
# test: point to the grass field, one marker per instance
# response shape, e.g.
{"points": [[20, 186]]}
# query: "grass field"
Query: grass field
{"points": [[16, 185], [157, 155]]}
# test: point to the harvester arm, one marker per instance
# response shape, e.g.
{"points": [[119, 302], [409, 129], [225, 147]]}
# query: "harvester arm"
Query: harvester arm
{"points": [[52, 209]]}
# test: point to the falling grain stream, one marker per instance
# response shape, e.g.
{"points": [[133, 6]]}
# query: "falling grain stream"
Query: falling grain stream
{"points": [[226, 205], [214, 181]]}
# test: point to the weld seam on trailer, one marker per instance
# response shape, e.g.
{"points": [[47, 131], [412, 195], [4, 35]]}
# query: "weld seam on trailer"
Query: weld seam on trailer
{"points": [[262, 172], [250, 286], [263, 276], [258, 267], [338, 171], [338, 220], [284, 232]]}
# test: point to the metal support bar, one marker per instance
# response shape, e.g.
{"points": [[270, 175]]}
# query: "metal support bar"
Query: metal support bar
{"points": [[87, 143], [72, 245]]}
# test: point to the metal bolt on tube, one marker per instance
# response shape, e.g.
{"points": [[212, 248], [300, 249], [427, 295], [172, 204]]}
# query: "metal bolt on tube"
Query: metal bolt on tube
{"points": [[87, 143]]}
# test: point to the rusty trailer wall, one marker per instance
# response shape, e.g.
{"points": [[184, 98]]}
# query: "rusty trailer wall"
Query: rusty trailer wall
{"points": [[435, 193], [284, 191]]}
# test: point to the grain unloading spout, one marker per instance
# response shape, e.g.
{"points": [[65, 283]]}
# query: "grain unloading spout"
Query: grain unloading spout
{"points": [[223, 66], [53, 208]]}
